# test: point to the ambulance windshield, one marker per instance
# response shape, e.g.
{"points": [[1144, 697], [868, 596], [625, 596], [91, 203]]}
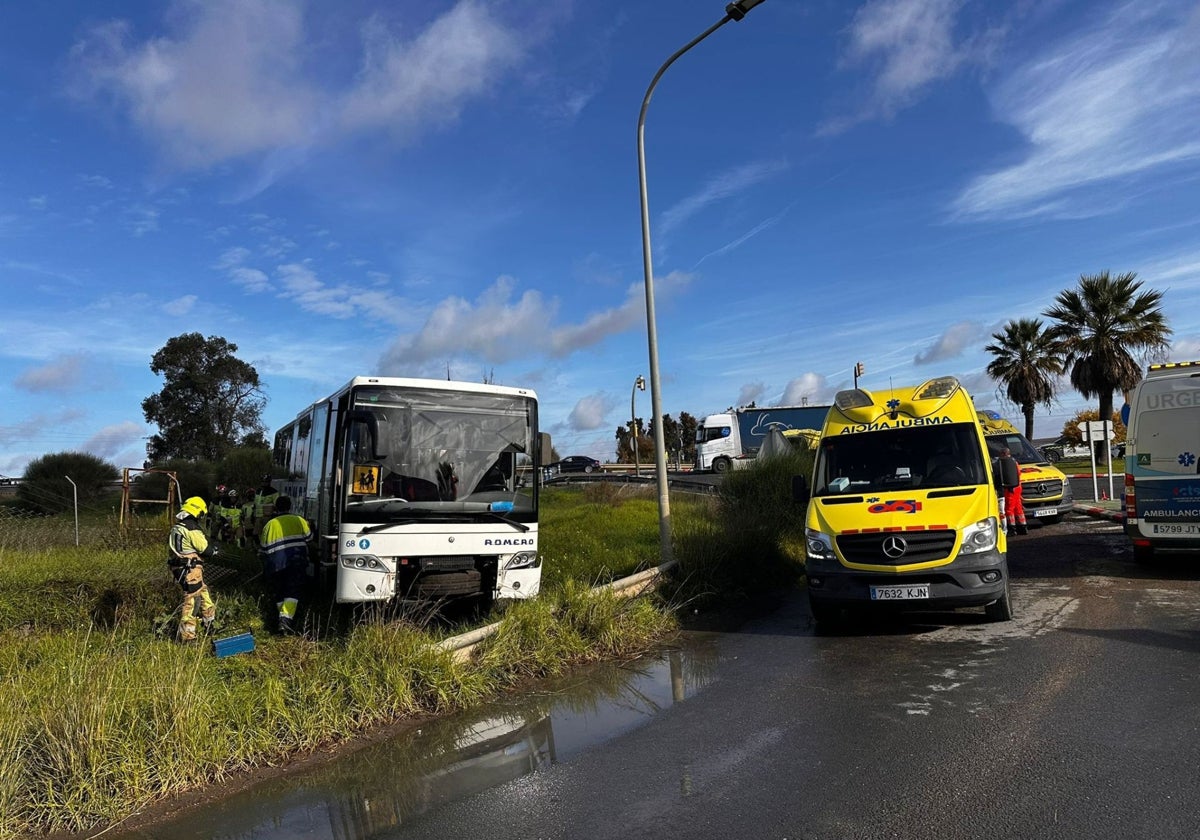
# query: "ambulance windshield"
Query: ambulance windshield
{"points": [[946, 455]]}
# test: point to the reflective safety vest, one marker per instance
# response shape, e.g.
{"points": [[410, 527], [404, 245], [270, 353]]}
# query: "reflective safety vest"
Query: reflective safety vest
{"points": [[232, 515], [263, 501], [285, 542], [187, 542]]}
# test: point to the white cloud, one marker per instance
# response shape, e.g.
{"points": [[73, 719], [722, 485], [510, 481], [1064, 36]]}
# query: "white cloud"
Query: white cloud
{"points": [[751, 393], [229, 80], [806, 389], [36, 425], [1113, 101], [957, 338], [115, 440], [226, 83], [719, 188], [428, 80], [495, 328], [63, 373], [589, 412], [910, 43], [180, 306]]}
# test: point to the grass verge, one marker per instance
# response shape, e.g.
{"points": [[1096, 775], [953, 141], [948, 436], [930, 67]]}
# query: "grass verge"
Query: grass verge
{"points": [[102, 717]]}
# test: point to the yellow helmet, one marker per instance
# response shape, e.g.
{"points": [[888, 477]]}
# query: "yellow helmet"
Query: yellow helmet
{"points": [[195, 506]]}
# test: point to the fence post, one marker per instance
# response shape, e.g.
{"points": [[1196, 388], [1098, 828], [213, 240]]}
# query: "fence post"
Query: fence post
{"points": [[75, 493]]}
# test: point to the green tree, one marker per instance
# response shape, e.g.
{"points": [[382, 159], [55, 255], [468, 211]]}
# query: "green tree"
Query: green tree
{"points": [[45, 486], [1070, 429], [211, 400], [243, 467], [195, 477], [1097, 328], [1025, 366]]}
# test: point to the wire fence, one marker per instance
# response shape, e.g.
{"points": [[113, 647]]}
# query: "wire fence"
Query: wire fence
{"points": [[96, 527]]}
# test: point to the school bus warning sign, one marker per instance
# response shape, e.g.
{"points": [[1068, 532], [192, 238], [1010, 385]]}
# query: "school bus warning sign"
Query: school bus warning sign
{"points": [[365, 480]]}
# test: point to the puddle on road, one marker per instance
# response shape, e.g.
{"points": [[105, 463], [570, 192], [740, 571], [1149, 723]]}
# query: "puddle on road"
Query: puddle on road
{"points": [[388, 784]]}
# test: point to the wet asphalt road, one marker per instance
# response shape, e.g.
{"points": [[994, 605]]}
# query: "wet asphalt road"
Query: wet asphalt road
{"points": [[1079, 719]]}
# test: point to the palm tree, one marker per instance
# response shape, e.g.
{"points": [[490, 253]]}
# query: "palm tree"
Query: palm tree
{"points": [[1098, 325], [1025, 365]]}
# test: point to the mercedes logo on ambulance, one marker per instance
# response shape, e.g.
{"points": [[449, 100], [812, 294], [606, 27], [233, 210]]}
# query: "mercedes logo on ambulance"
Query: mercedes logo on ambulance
{"points": [[894, 547]]}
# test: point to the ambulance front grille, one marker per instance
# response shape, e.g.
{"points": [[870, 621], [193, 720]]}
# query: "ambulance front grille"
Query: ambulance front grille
{"points": [[896, 548]]}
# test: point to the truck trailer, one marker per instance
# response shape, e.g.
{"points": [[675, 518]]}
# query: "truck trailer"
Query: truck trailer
{"points": [[739, 433]]}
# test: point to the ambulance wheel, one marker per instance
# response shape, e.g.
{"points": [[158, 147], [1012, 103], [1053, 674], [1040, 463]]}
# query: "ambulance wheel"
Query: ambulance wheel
{"points": [[1000, 609]]}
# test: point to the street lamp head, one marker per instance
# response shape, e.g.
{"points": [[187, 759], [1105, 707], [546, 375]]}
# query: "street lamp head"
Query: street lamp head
{"points": [[738, 9]]}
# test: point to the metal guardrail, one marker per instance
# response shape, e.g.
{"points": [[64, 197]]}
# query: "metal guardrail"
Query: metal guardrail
{"points": [[464, 644], [687, 485]]}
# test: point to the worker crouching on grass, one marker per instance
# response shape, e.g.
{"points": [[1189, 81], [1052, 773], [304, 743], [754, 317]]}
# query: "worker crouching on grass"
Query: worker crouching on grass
{"points": [[284, 552], [189, 548]]}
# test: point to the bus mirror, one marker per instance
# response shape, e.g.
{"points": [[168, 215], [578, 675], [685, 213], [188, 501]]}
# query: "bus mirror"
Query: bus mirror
{"points": [[367, 419], [545, 450], [800, 489]]}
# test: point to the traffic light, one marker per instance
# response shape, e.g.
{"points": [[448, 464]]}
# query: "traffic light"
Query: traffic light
{"points": [[858, 370]]}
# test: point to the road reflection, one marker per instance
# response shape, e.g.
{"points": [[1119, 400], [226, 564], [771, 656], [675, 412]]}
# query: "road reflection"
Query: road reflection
{"points": [[391, 784]]}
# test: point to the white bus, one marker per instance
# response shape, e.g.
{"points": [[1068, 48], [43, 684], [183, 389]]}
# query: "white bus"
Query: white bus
{"points": [[1162, 460], [419, 489]]}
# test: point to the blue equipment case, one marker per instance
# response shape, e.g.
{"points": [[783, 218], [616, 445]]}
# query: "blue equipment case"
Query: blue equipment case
{"points": [[241, 643]]}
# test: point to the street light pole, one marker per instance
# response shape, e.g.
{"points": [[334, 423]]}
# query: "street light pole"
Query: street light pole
{"points": [[639, 384], [734, 11]]}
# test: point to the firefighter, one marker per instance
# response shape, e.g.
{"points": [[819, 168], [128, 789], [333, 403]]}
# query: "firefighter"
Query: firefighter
{"points": [[228, 514], [247, 534], [264, 505], [189, 548], [284, 552]]}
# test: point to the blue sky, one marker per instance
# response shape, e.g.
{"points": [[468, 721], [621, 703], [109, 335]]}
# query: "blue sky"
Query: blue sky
{"points": [[420, 188]]}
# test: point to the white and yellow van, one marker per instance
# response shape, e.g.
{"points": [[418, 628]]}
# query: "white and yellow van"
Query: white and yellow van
{"points": [[902, 508], [1045, 490]]}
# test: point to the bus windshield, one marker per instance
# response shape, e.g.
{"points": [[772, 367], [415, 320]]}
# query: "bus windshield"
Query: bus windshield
{"points": [[409, 452], [946, 455]]}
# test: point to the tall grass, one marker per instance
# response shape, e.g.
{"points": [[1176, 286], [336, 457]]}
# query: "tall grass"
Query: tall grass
{"points": [[101, 716], [752, 540]]}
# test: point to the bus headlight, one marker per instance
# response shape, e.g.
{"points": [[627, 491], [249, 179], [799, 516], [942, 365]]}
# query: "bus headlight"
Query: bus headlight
{"points": [[365, 562], [524, 560], [818, 544], [979, 537]]}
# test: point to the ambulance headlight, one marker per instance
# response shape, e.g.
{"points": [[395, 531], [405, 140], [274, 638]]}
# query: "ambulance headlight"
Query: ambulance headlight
{"points": [[818, 544], [980, 537]]}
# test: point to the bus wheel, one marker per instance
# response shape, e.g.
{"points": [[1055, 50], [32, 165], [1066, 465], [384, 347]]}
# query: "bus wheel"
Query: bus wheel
{"points": [[1143, 554], [1000, 609]]}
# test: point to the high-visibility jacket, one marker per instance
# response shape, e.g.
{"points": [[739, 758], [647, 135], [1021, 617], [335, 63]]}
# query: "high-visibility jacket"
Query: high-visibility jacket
{"points": [[285, 542], [264, 500], [187, 543], [230, 513]]}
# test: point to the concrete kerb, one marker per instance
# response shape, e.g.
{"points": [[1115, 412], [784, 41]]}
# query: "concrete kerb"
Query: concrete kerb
{"points": [[463, 644]]}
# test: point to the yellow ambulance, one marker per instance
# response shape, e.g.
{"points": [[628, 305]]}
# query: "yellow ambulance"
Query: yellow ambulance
{"points": [[1045, 490], [902, 508]]}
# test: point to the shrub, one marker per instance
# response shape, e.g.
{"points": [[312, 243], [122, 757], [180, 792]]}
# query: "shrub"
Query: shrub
{"points": [[46, 486]]}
